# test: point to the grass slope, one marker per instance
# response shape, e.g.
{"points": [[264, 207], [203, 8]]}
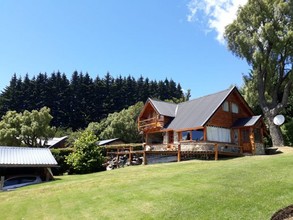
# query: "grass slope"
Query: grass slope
{"points": [[242, 188]]}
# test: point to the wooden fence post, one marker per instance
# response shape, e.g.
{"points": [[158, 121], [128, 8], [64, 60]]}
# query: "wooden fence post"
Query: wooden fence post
{"points": [[179, 153], [1, 182], [216, 152], [144, 154]]}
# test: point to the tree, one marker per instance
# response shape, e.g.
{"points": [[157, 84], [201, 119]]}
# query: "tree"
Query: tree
{"points": [[28, 128], [263, 34], [122, 125], [87, 156]]}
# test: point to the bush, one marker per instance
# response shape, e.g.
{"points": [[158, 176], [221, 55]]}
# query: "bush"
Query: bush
{"points": [[287, 130], [60, 155], [87, 156]]}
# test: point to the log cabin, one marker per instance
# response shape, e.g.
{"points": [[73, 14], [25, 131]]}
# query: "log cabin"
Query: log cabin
{"points": [[221, 122]]}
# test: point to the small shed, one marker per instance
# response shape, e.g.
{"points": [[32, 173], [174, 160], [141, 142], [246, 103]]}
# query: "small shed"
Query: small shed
{"points": [[27, 160], [113, 141], [56, 142]]}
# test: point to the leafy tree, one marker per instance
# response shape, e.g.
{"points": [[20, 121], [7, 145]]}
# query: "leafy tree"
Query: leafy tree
{"points": [[28, 128], [122, 125], [263, 34], [10, 129], [87, 156]]}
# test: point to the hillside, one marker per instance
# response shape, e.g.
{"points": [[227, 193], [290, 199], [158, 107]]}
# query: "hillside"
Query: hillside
{"points": [[252, 187]]}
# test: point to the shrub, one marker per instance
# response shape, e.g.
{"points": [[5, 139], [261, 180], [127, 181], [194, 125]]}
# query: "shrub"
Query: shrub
{"points": [[87, 155], [60, 155], [287, 130]]}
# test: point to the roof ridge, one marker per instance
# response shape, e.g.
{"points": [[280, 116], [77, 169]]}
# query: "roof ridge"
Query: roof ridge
{"points": [[204, 96]]}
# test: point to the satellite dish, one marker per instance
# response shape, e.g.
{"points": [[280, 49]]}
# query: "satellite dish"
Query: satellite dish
{"points": [[279, 119]]}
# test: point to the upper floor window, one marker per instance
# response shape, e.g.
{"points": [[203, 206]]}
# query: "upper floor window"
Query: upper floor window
{"points": [[235, 108], [225, 106]]}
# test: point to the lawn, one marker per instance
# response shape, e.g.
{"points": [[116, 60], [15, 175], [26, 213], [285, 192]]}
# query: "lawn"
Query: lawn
{"points": [[252, 187]]}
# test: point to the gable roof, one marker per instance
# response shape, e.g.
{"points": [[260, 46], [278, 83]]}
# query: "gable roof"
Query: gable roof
{"points": [[204, 107], [201, 109], [26, 157], [164, 108]]}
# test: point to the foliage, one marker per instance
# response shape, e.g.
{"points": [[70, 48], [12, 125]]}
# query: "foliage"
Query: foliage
{"points": [[122, 125], [240, 188], [184, 98], [76, 102], [87, 156], [287, 129], [28, 128], [262, 34], [60, 156]]}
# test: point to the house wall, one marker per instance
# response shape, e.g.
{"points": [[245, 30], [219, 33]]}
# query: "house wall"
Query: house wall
{"points": [[226, 119]]}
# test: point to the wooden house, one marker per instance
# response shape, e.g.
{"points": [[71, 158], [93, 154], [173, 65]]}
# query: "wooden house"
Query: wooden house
{"points": [[222, 120]]}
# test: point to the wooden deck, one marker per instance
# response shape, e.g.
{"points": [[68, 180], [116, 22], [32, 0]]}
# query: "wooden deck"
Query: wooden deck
{"points": [[141, 150]]}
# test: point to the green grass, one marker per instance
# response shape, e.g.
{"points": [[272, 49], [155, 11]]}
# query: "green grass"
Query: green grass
{"points": [[242, 188]]}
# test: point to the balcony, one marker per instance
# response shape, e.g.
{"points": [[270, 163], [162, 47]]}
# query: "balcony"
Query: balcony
{"points": [[150, 124]]}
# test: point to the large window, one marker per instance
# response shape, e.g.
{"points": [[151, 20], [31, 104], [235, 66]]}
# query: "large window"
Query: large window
{"points": [[195, 135], [218, 134]]}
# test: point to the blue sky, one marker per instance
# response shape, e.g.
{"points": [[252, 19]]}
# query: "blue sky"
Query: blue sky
{"points": [[158, 39]]}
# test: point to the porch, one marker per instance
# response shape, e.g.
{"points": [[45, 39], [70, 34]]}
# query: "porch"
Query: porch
{"points": [[134, 154]]}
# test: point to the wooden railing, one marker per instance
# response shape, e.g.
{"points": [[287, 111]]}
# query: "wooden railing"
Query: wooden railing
{"points": [[150, 123]]}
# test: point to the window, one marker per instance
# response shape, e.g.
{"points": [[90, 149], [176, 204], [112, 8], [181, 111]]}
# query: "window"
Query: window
{"points": [[245, 136], [235, 132], [195, 135], [235, 108], [257, 135], [225, 106], [218, 134], [185, 135], [155, 138]]}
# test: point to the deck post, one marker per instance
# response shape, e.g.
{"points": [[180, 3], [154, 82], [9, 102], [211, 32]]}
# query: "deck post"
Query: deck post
{"points": [[179, 153], [144, 154], [216, 152], [130, 154], [1, 182]]}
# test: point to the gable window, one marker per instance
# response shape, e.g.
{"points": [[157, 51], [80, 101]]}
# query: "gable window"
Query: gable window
{"points": [[235, 108], [225, 106]]}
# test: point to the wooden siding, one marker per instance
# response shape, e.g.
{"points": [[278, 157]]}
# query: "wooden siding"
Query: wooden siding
{"points": [[226, 119]]}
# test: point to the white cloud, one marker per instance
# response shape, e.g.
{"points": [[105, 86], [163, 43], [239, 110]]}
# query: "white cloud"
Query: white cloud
{"points": [[216, 13]]}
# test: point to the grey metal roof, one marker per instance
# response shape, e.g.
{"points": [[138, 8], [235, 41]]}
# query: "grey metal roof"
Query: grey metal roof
{"points": [[103, 142], [53, 141], [26, 157], [201, 110], [164, 108], [247, 122]]}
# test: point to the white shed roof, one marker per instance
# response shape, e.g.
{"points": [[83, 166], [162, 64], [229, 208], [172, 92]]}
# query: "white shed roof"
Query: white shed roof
{"points": [[26, 157]]}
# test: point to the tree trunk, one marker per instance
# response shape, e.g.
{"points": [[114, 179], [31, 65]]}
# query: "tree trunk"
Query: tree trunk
{"points": [[275, 132]]}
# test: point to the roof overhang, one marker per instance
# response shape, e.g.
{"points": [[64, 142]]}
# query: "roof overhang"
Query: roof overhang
{"points": [[246, 122]]}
